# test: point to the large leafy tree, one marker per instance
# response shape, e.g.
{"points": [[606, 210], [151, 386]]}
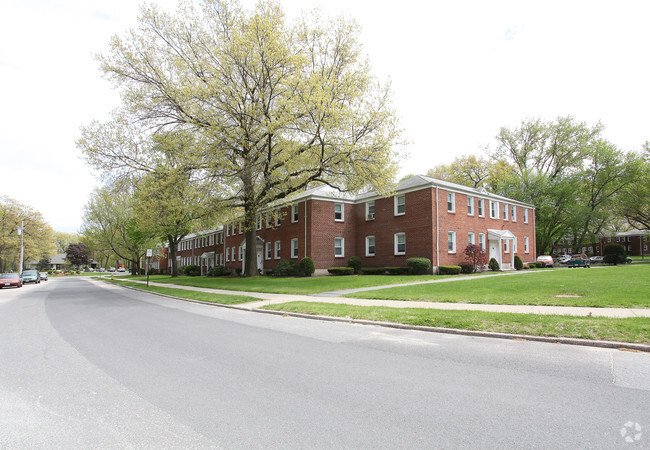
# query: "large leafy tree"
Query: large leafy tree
{"points": [[78, 254], [172, 200], [477, 172], [110, 222], [633, 202], [569, 172], [275, 107], [38, 238]]}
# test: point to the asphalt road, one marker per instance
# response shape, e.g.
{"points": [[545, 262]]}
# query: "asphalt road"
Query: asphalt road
{"points": [[83, 364]]}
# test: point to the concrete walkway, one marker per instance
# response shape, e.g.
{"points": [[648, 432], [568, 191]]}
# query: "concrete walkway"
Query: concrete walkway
{"points": [[265, 299]]}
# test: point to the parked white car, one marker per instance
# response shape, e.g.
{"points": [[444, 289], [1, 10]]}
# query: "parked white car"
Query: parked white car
{"points": [[563, 259]]}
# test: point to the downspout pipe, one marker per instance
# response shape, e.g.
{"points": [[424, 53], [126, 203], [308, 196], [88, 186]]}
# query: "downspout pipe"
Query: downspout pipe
{"points": [[437, 236]]}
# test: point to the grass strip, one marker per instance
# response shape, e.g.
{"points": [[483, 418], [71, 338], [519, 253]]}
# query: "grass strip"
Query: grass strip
{"points": [[296, 286], [616, 287], [633, 330], [222, 299]]}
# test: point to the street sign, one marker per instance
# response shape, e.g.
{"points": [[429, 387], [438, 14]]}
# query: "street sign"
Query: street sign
{"points": [[149, 253]]}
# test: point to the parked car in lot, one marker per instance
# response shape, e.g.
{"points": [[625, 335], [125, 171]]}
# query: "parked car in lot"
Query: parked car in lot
{"points": [[563, 259], [10, 279], [121, 269], [547, 260], [596, 259], [111, 269], [579, 261], [31, 276], [43, 276]]}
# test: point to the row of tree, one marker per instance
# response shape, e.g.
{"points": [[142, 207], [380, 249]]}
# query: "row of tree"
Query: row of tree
{"points": [[580, 183], [225, 111], [38, 236]]}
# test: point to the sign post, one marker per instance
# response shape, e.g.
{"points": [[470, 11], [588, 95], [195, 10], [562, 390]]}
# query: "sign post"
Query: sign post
{"points": [[149, 255]]}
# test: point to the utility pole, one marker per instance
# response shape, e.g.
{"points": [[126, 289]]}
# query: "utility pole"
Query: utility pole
{"points": [[20, 232]]}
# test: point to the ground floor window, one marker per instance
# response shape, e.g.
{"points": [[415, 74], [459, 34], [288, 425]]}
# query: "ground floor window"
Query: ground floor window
{"points": [[277, 249], [370, 246], [294, 248], [400, 243], [451, 242], [339, 248]]}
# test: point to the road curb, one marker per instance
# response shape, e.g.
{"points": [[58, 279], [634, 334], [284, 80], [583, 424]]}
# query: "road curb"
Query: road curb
{"points": [[485, 334]]}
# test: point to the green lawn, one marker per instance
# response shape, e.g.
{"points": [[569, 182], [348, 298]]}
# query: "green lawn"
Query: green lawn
{"points": [[624, 286], [298, 286], [222, 299], [636, 330]]}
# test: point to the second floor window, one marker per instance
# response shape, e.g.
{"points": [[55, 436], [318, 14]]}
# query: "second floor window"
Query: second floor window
{"points": [[400, 205], [470, 206], [370, 210], [294, 213], [338, 212], [451, 202]]}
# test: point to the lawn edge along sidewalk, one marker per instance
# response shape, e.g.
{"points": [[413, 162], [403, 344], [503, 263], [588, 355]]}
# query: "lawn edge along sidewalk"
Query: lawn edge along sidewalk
{"points": [[484, 334]]}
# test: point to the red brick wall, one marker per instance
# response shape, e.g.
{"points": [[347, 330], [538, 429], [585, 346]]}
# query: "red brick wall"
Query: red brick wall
{"points": [[462, 223], [416, 223]]}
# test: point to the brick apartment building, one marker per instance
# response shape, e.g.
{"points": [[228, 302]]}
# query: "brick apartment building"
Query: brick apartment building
{"points": [[424, 218], [635, 243]]}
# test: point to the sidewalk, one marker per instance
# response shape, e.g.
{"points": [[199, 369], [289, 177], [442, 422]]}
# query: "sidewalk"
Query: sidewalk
{"points": [[266, 299]]}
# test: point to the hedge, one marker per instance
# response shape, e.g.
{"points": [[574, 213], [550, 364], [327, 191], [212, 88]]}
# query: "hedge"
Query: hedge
{"points": [[341, 270], [493, 265], [466, 268], [373, 270], [419, 266], [355, 262], [306, 266], [518, 263], [449, 270]]}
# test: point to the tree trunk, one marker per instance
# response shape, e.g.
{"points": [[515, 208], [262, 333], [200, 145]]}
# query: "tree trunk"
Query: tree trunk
{"points": [[172, 255]]}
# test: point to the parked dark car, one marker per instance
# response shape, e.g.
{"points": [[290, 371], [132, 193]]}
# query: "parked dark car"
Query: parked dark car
{"points": [[579, 261], [31, 276], [10, 279]]}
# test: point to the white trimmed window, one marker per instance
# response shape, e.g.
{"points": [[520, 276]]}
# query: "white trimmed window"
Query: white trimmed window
{"points": [[481, 240], [471, 238], [259, 223], [370, 246], [451, 242], [338, 212], [481, 207], [241, 227], [494, 210], [513, 213], [505, 211], [400, 205], [506, 246], [268, 220], [294, 248], [277, 249], [339, 247], [400, 243], [370, 210], [268, 250], [525, 215], [470, 206], [451, 202], [278, 217], [234, 254], [294, 214], [526, 247]]}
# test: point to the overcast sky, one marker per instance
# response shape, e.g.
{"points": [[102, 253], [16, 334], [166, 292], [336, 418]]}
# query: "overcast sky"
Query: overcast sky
{"points": [[460, 70]]}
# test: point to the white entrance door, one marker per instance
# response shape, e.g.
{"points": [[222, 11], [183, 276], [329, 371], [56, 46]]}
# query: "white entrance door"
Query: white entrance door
{"points": [[260, 263], [495, 251]]}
